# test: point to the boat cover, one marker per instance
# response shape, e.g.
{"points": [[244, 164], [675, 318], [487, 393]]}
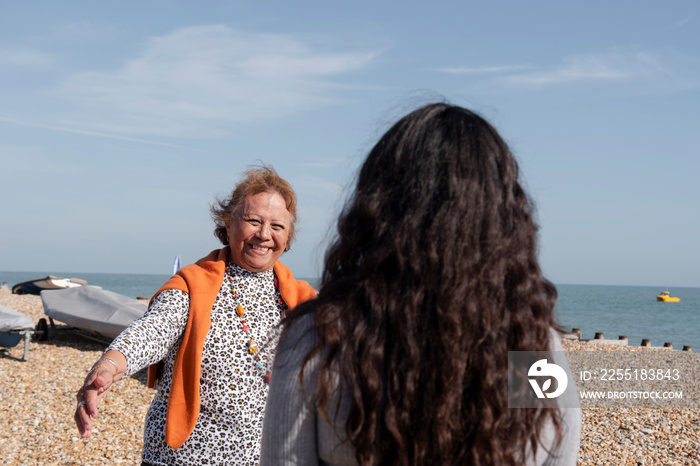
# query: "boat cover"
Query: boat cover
{"points": [[13, 320], [92, 308]]}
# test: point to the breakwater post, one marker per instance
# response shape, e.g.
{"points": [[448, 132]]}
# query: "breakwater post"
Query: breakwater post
{"points": [[600, 338], [622, 340]]}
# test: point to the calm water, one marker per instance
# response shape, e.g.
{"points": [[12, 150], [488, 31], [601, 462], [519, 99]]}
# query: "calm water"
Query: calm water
{"points": [[613, 310], [632, 311], [132, 285]]}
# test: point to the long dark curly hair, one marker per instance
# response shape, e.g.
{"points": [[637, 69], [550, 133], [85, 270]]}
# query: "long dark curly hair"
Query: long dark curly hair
{"points": [[432, 279]]}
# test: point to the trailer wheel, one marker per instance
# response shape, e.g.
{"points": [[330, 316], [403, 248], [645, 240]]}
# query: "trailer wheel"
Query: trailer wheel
{"points": [[42, 329]]}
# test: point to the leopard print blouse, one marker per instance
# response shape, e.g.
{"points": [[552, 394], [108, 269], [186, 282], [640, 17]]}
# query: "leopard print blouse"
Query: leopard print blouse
{"points": [[233, 389]]}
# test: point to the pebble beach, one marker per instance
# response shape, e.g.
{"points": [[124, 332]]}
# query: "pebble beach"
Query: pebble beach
{"points": [[37, 399]]}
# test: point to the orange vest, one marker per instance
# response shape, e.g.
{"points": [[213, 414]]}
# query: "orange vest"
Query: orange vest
{"points": [[202, 281]]}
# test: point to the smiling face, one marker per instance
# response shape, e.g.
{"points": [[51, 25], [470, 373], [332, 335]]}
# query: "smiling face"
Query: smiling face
{"points": [[258, 231]]}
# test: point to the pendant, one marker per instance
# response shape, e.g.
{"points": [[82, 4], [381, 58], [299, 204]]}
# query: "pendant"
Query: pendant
{"points": [[252, 346]]}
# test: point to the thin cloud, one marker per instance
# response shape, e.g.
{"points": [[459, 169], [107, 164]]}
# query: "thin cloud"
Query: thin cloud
{"points": [[681, 23], [316, 185], [482, 69], [330, 162], [200, 81], [23, 57], [613, 66], [84, 132]]}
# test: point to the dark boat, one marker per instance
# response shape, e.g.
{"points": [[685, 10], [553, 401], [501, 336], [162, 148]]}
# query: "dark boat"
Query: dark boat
{"points": [[49, 282]]}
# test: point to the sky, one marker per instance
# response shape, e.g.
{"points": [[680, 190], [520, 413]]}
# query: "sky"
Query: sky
{"points": [[120, 123]]}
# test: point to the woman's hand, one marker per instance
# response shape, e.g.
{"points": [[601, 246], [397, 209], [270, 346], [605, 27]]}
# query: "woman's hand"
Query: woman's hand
{"points": [[89, 396], [107, 370]]}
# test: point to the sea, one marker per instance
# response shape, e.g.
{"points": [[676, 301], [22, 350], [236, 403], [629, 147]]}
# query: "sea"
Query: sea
{"points": [[131, 285], [614, 311], [631, 311]]}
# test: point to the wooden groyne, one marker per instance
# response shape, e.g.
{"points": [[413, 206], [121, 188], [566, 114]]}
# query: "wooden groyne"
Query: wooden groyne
{"points": [[621, 340]]}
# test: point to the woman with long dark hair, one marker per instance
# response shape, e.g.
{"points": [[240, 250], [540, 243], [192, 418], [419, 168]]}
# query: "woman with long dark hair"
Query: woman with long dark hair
{"points": [[433, 278]]}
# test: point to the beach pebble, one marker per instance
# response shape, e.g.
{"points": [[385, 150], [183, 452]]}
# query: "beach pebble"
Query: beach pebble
{"points": [[38, 404], [39, 427]]}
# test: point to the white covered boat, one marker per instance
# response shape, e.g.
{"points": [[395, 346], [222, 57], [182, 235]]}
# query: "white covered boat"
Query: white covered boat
{"points": [[15, 327], [92, 309]]}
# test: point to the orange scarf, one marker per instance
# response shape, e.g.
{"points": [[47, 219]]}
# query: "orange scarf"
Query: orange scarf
{"points": [[202, 281]]}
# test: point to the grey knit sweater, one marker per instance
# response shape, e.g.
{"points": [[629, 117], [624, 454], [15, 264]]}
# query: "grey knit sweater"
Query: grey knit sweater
{"points": [[295, 434]]}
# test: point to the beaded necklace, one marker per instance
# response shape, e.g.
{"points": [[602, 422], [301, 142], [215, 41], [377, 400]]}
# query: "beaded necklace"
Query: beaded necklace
{"points": [[251, 344]]}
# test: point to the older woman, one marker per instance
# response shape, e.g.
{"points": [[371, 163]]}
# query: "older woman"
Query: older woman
{"points": [[208, 335], [433, 278]]}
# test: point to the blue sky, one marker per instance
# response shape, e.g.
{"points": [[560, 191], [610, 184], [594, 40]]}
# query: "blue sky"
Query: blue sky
{"points": [[121, 122]]}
